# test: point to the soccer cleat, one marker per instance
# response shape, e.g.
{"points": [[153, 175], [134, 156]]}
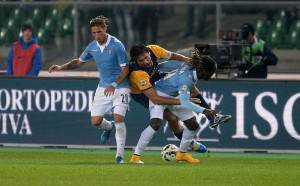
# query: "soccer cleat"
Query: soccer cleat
{"points": [[197, 147], [219, 119], [135, 159], [105, 134], [119, 160], [184, 156]]}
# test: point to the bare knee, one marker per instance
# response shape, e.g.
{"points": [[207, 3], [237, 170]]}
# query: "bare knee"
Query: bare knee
{"points": [[119, 118], [191, 124], [96, 120], [155, 123], [172, 121]]}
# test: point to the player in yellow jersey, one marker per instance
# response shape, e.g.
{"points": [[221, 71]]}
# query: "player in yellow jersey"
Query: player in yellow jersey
{"points": [[144, 72]]}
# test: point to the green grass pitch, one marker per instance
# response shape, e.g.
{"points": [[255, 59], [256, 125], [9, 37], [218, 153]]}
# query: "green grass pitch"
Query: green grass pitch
{"points": [[55, 167]]}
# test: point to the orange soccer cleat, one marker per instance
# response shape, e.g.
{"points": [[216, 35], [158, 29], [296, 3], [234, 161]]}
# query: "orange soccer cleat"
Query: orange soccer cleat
{"points": [[184, 156]]}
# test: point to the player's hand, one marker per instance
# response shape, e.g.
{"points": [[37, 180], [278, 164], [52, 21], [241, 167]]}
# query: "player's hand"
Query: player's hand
{"points": [[195, 100], [109, 91], [210, 114], [54, 68], [188, 60]]}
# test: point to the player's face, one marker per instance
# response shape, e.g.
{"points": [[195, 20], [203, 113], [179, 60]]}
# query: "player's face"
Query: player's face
{"points": [[99, 33], [27, 34], [144, 60]]}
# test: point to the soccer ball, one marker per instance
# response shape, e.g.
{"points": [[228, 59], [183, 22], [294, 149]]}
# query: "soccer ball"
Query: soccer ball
{"points": [[168, 152]]}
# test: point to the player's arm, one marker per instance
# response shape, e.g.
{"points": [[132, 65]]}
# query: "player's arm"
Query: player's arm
{"points": [[162, 53], [110, 90], [160, 100], [184, 96], [123, 74], [180, 57], [73, 64], [123, 62], [195, 93]]}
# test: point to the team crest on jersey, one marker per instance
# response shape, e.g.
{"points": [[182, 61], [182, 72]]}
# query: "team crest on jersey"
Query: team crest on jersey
{"points": [[143, 82], [109, 51], [184, 88]]}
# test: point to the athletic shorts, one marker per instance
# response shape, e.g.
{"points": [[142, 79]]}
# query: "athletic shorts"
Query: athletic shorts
{"points": [[117, 103], [157, 111], [141, 99]]}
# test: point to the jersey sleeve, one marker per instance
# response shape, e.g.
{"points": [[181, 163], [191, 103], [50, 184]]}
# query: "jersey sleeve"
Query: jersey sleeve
{"points": [[121, 54], [184, 97], [140, 80], [184, 85], [160, 52], [85, 55]]}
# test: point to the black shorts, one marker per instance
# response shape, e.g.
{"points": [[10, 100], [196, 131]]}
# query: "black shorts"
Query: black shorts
{"points": [[141, 99]]}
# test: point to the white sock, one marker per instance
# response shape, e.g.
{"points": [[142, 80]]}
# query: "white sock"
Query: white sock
{"points": [[187, 137], [105, 125], [144, 140], [120, 138]]}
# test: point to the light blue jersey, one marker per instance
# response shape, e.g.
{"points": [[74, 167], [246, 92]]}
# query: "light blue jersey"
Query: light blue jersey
{"points": [[180, 82], [109, 61], [170, 65], [184, 77]]}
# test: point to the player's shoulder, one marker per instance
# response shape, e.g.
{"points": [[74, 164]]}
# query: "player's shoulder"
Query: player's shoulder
{"points": [[92, 45], [116, 42], [139, 74], [154, 47]]}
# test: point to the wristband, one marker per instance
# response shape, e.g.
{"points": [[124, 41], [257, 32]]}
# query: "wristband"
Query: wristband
{"points": [[114, 84]]}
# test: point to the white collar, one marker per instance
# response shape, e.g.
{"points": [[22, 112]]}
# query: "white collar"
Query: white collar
{"points": [[107, 42]]}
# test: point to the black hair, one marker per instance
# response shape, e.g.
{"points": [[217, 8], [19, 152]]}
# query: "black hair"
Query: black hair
{"points": [[247, 29], [26, 26], [203, 63], [137, 50]]}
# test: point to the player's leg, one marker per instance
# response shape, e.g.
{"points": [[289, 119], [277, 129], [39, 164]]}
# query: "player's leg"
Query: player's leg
{"points": [[173, 123], [120, 104], [177, 129], [100, 106], [189, 132], [101, 123], [156, 116]]}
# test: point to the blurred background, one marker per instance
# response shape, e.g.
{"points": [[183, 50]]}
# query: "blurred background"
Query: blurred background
{"points": [[62, 27]]}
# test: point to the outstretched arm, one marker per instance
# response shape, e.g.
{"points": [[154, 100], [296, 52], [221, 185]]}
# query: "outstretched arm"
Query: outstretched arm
{"points": [[179, 57], [74, 63]]}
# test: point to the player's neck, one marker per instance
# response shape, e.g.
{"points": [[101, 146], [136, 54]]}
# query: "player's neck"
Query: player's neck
{"points": [[103, 42]]}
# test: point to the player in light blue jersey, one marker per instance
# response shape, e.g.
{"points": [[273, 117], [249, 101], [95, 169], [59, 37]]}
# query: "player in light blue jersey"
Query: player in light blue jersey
{"points": [[179, 83], [113, 89]]}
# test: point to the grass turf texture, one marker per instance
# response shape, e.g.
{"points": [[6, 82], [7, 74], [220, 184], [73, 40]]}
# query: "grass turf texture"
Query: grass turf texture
{"points": [[30, 166]]}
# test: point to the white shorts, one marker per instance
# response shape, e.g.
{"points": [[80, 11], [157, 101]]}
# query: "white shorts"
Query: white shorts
{"points": [[157, 111], [117, 103]]}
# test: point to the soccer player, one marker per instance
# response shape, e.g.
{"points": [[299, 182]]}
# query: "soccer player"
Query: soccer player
{"points": [[181, 81], [113, 90], [179, 84], [143, 73]]}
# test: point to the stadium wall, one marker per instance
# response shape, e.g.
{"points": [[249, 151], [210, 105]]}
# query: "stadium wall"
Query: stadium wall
{"points": [[55, 111]]}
